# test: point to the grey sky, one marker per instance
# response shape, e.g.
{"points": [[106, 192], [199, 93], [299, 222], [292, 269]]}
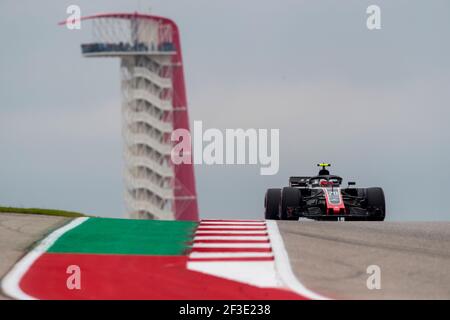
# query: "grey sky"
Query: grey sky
{"points": [[373, 103]]}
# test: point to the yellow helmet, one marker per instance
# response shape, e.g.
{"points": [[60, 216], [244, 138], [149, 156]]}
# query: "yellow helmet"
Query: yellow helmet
{"points": [[324, 165]]}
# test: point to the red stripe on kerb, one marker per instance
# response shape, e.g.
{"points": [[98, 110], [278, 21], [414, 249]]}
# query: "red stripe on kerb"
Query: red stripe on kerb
{"points": [[230, 241], [218, 250], [233, 234], [112, 277], [231, 259]]}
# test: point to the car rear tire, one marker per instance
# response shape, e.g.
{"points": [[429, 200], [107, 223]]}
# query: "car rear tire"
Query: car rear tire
{"points": [[375, 200], [272, 204], [290, 197]]}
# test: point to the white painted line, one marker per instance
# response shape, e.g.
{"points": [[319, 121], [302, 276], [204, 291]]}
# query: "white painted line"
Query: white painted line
{"points": [[223, 223], [205, 232], [200, 227], [231, 220], [283, 264], [231, 245], [256, 273], [230, 255], [255, 237], [11, 282]]}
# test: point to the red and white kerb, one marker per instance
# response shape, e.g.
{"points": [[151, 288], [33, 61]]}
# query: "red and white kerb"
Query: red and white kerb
{"points": [[238, 250]]}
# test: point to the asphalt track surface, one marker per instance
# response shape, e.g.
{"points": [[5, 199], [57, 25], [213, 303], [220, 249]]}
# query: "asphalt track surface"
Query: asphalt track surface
{"points": [[18, 233], [329, 258]]}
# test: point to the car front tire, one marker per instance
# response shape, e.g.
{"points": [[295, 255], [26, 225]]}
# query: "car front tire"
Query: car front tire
{"points": [[376, 203]]}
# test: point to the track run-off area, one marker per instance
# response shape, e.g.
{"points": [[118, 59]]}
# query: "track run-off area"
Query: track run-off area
{"points": [[222, 259]]}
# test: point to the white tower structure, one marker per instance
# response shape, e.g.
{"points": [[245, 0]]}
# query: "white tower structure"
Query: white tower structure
{"points": [[154, 104]]}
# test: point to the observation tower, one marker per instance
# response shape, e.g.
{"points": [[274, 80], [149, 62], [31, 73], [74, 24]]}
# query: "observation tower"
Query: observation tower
{"points": [[153, 105]]}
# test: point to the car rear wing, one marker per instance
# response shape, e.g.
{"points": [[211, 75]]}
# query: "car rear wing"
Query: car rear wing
{"points": [[298, 181]]}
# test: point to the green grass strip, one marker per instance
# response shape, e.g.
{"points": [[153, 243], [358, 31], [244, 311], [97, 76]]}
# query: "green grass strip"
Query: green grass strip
{"points": [[49, 212]]}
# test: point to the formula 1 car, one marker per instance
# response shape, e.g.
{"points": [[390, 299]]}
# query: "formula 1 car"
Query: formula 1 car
{"points": [[321, 197]]}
